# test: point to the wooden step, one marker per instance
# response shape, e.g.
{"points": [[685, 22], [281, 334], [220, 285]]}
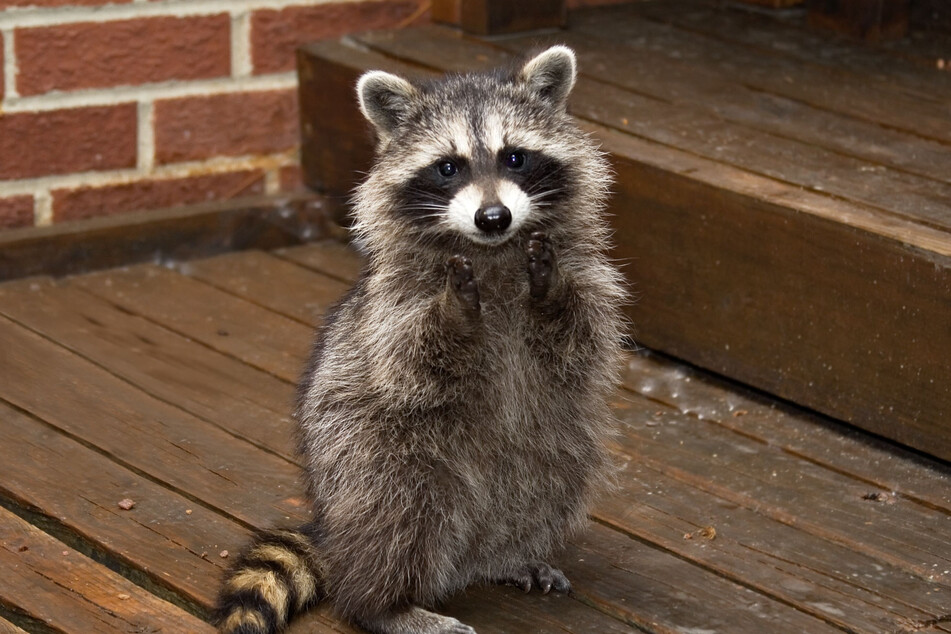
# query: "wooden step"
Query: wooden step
{"points": [[783, 214]]}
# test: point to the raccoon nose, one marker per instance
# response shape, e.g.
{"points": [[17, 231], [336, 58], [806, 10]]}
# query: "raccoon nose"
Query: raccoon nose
{"points": [[493, 219]]}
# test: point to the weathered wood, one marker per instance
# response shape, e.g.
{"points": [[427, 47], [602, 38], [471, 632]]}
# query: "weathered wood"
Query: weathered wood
{"points": [[835, 88], [882, 465], [52, 584], [189, 455], [824, 314], [206, 314], [642, 580], [217, 388], [788, 36], [178, 234], [166, 542], [285, 288], [768, 556], [332, 127], [737, 469]]}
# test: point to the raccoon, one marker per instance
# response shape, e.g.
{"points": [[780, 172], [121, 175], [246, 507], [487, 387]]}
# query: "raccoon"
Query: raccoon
{"points": [[453, 414]]}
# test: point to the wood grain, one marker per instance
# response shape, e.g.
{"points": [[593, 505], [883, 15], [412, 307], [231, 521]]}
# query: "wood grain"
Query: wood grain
{"points": [[246, 402], [207, 314], [166, 540], [283, 287], [189, 455], [55, 585]]}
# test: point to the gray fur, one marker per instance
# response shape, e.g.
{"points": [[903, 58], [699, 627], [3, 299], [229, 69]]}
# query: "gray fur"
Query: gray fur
{"points": [[453, 417]]}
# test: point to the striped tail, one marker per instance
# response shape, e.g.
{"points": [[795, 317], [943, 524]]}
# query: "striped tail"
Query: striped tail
{"points": [[276, 577]]}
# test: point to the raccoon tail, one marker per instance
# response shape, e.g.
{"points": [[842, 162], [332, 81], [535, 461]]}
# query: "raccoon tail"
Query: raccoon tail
{"points": [[276, 577]]}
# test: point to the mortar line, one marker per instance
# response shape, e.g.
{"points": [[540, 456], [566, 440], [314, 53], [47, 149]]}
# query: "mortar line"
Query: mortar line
{"points": [[150, 92]]}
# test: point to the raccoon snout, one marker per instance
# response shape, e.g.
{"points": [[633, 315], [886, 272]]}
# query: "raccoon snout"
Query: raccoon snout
{"points": [[493, 219]]}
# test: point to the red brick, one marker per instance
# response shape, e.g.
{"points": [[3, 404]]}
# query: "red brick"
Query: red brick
{"points": [[65, 141], [248, 123], [291, 178], [275, 34], [4, 4], [124, 52], [16, 211], [87, 202]]}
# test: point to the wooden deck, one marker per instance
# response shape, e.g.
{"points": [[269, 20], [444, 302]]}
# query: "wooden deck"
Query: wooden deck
{"points": [[171, 386]]}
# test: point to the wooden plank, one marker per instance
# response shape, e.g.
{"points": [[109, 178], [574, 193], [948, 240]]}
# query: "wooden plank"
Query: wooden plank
{"points": [[280, 285], [836, 89], [244, 401], [50, 583], [333, 259], [883, 466], [166, 542], [831, 582], [179, 233], [192, 457], [203, 313], [789, 489], [788, 36]]}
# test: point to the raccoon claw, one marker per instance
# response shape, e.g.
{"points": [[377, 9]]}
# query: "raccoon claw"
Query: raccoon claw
{"points": [[540, 576], [541, 264], [462, 281]]}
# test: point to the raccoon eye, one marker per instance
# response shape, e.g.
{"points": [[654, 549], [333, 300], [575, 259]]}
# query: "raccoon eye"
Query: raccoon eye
{"points": [[514, 160], [447, 169]]}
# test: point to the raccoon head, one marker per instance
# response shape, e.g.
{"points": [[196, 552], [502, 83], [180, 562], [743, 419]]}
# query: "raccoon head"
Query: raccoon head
{"points": [[476, 158]]}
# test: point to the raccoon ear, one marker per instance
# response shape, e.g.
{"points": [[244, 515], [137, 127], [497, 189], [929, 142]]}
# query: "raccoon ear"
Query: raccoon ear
{"points": [[384, 99], [551, 74]]}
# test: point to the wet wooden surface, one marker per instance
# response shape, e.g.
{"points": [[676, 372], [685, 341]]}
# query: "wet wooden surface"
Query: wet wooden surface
{"points": [[783, 198], [171, 386]]}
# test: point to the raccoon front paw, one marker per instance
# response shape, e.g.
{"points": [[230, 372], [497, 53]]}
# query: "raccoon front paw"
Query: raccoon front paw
{"points": [[540, 576], [541, 264], [462, 282]]}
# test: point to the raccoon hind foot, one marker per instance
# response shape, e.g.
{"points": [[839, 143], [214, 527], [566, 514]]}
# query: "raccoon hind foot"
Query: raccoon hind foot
{"points": [[461, 279], [540, 576], [541, 264], [415, 620]]}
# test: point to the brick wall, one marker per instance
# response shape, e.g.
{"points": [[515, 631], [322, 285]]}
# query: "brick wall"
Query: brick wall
{"points": [[112, 106]]}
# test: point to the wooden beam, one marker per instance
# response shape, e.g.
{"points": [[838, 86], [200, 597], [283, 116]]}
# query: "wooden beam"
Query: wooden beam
{"points": [[180, 233]]}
